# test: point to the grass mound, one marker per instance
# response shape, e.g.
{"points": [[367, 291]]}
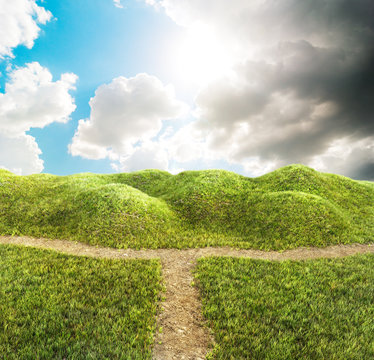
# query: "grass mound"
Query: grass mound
{"points": [[55, 306], [315, 309], [290, 207]]}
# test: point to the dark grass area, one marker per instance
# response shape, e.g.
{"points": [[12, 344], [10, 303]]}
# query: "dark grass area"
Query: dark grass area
{"points": [[54, 306], [316, 309], [291, 207]]}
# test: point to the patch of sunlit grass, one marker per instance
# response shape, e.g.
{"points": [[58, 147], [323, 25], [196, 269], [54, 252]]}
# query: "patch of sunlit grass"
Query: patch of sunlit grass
{"points": [[54, 306], [316, 309]]}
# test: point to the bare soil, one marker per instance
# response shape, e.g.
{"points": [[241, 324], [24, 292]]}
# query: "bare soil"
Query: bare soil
{"points": [[183, 334]]}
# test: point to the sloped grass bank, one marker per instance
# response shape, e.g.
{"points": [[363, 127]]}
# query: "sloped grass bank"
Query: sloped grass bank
{"points": [[315, 309], [55, 306], [290, 207], [85, 208]]}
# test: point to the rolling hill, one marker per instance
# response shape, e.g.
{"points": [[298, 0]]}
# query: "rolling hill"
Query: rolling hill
{"points": [[287, 208]]}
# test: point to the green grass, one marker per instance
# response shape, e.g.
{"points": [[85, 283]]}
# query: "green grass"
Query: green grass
{"points": [[316, 309], [290, 207], [54, 306]]}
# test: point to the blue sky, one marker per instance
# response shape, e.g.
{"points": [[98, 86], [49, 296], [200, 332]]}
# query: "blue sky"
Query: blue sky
{"points": [[98, 42], [181, 85]]}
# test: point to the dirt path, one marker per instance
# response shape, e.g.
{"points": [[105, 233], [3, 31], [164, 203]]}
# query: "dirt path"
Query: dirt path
{"points": [[183, 336]]}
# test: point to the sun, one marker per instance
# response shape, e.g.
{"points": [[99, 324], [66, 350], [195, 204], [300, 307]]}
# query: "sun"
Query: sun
{"points": [[201, 57]]}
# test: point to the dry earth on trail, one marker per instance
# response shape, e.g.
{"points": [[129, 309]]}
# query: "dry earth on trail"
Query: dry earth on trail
{"points": [[183, 335]]}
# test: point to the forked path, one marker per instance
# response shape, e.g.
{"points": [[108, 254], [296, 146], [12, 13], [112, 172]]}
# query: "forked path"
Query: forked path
{"points": [[183, 335]]}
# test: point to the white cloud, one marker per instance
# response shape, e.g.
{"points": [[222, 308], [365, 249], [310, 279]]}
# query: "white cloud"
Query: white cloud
{"points": [[255, 166], [117, 3], [149, 155], [347, 156], [31, 99], [19, 21], [20, 155], [125, 113], [186, 144]]}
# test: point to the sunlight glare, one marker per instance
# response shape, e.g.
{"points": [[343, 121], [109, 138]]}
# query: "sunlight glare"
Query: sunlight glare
{"points": [[201, 57]]}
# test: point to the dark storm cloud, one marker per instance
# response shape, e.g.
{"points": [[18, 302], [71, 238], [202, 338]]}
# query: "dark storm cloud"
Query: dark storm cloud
{"points": [[344, 77], [305, 93], [365, 172]]}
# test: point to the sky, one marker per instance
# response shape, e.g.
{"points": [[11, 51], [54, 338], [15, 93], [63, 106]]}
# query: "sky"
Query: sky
{"points": [[110, 86]]}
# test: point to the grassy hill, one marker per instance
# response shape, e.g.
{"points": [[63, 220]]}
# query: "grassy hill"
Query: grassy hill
{"points": [[290, 207]]}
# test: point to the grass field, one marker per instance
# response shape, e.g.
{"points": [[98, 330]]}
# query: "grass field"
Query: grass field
{"points": [[316, 309], [290, 207], [54, 306]]}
